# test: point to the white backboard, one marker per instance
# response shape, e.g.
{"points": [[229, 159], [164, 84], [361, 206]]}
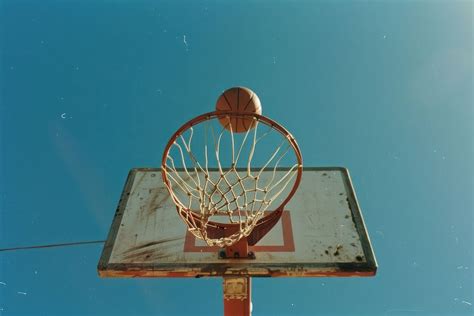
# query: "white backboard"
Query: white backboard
{"points": [[321, 233]]}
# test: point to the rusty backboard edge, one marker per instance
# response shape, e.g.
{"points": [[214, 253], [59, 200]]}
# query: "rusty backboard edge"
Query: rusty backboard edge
{"points": [[114, 228], [359, 222], [254, 270]]}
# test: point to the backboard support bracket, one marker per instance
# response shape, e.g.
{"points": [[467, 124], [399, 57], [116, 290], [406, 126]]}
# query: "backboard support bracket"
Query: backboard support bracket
{"points": [[239, 250]]}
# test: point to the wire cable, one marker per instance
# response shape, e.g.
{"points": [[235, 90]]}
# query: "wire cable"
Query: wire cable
{"points": [[77, 243]]}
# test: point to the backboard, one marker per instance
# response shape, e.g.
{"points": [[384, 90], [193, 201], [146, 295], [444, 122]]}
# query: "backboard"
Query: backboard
{"points": [[321, 233]]}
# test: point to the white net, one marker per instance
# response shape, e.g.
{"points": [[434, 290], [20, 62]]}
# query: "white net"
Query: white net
{"points": [[233, 192]]}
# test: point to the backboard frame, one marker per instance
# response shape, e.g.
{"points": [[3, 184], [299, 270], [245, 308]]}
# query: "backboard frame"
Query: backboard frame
{"points": [[240, 267]]}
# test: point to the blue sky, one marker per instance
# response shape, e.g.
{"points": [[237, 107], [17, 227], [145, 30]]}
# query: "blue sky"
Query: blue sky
{"points": [[91, 89]]}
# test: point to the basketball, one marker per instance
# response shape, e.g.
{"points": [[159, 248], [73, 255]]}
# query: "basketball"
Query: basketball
{"points": [[239, 100]]}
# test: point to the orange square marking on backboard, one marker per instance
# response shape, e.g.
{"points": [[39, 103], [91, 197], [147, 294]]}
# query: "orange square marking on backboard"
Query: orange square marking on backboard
{"points": [[287, 234]]}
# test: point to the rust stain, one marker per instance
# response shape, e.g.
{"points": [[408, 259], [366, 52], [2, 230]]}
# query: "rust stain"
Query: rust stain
{"points": [[153, 243], [157, 199], [139, 182], [151, 251], [147, 255], [336, 253]]}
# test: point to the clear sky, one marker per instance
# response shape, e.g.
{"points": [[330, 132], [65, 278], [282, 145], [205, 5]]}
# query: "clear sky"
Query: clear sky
{"points": [[91, 89]]}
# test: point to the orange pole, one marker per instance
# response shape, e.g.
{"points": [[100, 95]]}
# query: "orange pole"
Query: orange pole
{"points": [[237, 296]]}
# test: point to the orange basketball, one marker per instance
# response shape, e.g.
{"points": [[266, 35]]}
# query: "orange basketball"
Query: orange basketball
{"points": [[239, 100]]}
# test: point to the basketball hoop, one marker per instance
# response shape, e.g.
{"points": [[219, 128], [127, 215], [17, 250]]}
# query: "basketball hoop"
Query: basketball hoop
{"points": [[228, 191]]}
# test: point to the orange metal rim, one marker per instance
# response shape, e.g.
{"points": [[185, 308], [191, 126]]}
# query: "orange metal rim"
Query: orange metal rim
{"points": [[273, 216]]}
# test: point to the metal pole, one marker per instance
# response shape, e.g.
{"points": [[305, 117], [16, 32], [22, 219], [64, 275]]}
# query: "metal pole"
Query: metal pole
{"points": [[237, 296]]}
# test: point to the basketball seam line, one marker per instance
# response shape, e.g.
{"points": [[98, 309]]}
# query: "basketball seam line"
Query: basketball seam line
{"points": [[238, 99], [238, 105], [245, 126], [228, 103], [248, 102]]}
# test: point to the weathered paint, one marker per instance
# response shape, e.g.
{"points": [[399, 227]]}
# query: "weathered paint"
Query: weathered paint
{"points": [[237, 295], [328, 235]]}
